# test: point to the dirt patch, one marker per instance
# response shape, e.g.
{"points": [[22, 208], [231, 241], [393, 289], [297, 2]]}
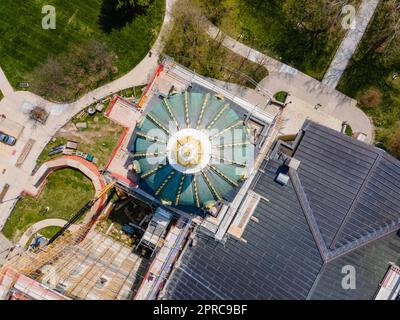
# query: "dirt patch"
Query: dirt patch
{"points": [[371, 98], [70, 132], [98, 138]]}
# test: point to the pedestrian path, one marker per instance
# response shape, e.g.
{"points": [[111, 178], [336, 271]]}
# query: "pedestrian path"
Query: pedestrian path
{"points": [[350, 43], [5, 86], [41, 225]]}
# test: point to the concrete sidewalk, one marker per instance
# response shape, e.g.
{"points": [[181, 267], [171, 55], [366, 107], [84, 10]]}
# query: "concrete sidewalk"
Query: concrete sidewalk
{"points": [[5, 246], [39, 226], [5, 87], [350, 43]]}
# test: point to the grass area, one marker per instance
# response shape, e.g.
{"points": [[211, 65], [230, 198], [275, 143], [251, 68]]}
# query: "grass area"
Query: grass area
{"points": [[132, 92], [25, 45], [281, 96], [370, 78], [1, 95], [65, 192], [264, 24], [190, 46], [99, 139], [47, 232], [50, 231]]}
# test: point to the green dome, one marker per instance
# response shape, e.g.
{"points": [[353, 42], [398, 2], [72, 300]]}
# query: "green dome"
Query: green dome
{"points": [[192, 149]]}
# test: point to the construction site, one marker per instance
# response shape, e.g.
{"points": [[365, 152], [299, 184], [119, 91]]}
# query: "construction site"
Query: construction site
{"points": [[185, 161]]}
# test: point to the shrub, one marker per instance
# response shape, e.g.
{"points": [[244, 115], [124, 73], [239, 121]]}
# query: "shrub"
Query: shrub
{"points": [[349, 130], [281, 96]]}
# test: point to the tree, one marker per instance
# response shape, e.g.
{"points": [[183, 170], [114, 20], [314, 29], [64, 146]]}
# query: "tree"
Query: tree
{"points": [[132, 3], [38, 114], [115, 14], [386, 36], [315, 16], [81, 68], [394, 144], [216, 10], [190, 45]]}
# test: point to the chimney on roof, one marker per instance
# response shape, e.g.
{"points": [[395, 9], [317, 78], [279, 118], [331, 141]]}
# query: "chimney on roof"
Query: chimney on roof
{"points": [[293, 163], [282, 179]]}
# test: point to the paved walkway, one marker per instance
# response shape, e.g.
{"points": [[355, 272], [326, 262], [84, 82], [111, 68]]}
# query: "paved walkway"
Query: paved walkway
{"points": [[39, 226], [38, 181], [311, 91], [5, 246], [350, 43], [5, 86]]}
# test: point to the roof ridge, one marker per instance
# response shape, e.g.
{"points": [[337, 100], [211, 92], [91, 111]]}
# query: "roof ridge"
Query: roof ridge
{"points": [[308, 212], [355, 201], [316, 280], [359, 243]]}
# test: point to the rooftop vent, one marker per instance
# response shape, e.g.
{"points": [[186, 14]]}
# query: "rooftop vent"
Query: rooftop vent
{"points": [[293, 163], [360, 136], [282, 179]]}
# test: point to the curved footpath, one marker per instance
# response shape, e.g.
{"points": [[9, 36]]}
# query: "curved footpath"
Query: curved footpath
{"points": [[39, 226]]}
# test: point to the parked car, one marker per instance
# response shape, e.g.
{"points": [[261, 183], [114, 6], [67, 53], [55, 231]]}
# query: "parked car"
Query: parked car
{"points": [[5, 138]]}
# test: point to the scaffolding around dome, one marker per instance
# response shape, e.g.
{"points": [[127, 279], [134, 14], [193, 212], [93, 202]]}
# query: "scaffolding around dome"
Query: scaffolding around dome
{"points": [[192, 144], [193, 150]]}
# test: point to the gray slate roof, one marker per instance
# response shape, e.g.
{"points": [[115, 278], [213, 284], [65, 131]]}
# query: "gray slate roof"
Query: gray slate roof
{"points": [[371, 262], [353, 189], [343, 190], [279, 261]]}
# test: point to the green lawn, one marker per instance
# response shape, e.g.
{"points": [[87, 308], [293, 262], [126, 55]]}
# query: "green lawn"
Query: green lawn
{"points": [[66, 191], [99, 139], [264, 25], [25, 45], [48, 232], [369, 79]]}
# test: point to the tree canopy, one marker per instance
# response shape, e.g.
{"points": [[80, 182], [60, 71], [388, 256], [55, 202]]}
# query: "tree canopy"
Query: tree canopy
{"points": [[132, 3], [314, 16], [83, 67]]}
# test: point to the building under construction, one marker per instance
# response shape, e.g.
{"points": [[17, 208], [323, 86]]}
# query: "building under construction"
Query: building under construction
{"points": [[214, 204], [185, 161]]}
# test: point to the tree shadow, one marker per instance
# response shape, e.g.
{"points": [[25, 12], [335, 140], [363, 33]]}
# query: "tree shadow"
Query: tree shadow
{"points": [[112, 18]]}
